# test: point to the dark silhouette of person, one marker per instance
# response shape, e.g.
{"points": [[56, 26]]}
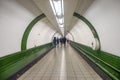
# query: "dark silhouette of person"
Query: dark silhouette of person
{"points": [[54, 41], [58, 41], [64, 40], [61, 41]]}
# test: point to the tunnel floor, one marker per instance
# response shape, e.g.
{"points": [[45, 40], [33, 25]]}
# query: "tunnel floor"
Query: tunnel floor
{"points": [[61, 63]]}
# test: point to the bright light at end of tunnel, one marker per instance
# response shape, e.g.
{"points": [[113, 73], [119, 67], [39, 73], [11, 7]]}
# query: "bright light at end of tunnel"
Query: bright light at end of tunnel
{"points": [[58, 10]]}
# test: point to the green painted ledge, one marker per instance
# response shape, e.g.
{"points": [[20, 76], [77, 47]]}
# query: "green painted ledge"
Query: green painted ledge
{"points": [[109, 63], [12, 63]]}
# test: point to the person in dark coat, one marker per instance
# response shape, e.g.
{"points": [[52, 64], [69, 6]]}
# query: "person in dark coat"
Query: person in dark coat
{"points": [[58, 41], [54, 41], [61, 41], [64, 40]]}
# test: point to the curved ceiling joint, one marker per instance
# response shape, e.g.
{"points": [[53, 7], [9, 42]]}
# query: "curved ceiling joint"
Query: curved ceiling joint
{"points": [[94, 32], [27, 31]]}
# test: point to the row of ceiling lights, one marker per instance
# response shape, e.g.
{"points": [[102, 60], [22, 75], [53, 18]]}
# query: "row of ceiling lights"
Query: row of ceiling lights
{"points": [[58, 10]]}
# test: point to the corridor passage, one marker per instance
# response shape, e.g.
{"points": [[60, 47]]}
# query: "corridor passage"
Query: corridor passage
{"points": [[61, 63]]}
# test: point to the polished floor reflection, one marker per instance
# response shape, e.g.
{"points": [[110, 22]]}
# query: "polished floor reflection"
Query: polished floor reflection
{"points": [[61, 63]]}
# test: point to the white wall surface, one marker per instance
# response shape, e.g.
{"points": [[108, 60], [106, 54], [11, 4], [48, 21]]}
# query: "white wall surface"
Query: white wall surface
{"points": [[70, 37], [105, 16], [40, 34], [14, 18], [82, 34]]}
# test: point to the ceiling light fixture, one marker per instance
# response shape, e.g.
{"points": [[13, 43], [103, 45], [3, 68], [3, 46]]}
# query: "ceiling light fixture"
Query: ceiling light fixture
{"points": [[58, 10]]}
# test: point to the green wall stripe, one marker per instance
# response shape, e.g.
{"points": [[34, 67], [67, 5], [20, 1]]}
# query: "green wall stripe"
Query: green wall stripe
{"points": [[108, 62], [28, 29], [94, 32], [13, 63]]}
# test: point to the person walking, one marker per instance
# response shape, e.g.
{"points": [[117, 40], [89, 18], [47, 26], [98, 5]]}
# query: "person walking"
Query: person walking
{"points": [[58, 41], [54, 42], [64, 41], [61, 41]]}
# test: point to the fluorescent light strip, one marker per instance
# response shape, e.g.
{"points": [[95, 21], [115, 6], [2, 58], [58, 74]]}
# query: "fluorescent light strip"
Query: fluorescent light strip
{"points": [[58, 10], [51, 3], [57, 7]]}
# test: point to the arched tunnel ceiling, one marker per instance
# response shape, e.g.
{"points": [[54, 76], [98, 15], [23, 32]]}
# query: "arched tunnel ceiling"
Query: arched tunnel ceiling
{"points": [[70, 6], [47, 22], [46, 9]]}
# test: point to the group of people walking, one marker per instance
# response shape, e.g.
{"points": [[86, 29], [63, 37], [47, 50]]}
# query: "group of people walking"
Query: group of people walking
{"points": [[59, 41]]}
